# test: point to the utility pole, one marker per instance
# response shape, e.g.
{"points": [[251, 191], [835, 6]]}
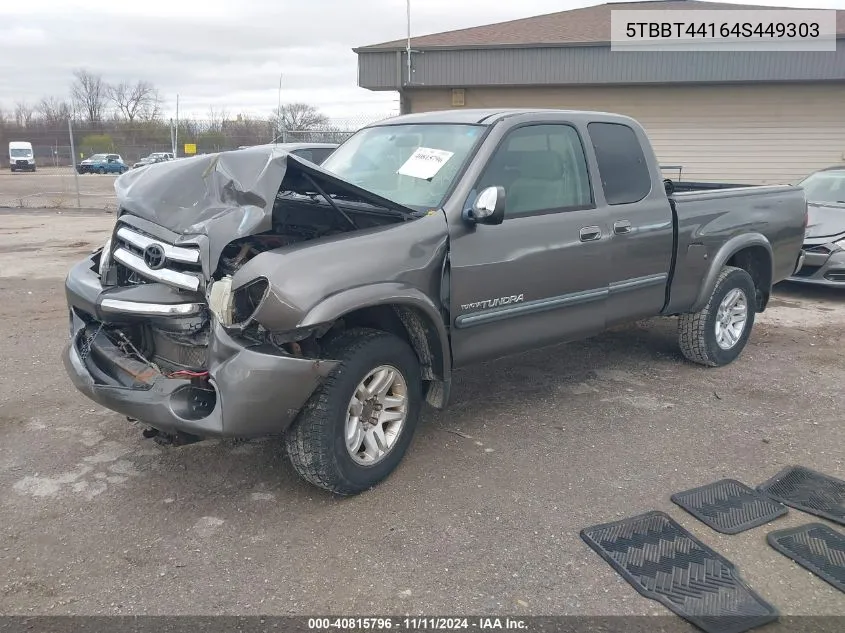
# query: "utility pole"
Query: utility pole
{"points": [[279, 111], [176, 130], [73, 162]]}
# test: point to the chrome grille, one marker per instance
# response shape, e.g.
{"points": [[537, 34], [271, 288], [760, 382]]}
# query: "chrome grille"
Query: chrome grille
{"points": [[177, 266]]}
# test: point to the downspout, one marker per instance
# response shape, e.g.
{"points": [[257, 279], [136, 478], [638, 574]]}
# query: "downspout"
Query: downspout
{"points": [[404, 101]]}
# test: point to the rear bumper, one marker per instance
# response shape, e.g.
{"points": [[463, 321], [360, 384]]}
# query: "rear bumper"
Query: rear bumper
{"points": [[251, 390], [821, 268]]}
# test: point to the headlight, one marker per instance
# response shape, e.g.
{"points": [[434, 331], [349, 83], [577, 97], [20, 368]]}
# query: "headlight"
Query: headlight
{"points": [[840, 244], [105, 258], [236, 307], [220, 300]]}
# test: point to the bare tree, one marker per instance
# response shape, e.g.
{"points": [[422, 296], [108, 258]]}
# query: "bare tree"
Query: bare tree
{"points": [[151, 109], [54, 111], [298, 117], [89, 93], [23, 114], [216, 119], [132, 100]]}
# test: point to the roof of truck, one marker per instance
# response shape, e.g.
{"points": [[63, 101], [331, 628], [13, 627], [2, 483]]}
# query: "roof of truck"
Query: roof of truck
{"points": [[480, 116]]}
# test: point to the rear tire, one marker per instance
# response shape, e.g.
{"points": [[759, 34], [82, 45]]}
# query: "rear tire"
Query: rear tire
{"points": [[716, 335], [316, 442]]}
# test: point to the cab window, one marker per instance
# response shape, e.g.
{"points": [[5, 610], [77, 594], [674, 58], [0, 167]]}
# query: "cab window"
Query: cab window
{"points": [[621, 161], [542, 168]]}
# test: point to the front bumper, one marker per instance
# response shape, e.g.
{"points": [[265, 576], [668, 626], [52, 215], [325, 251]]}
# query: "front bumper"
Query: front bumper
{"points": [[824, 265], [251, 390]]}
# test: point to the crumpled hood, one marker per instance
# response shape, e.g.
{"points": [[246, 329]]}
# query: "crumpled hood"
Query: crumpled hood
{"points": [[826, 220], [186, 195]]}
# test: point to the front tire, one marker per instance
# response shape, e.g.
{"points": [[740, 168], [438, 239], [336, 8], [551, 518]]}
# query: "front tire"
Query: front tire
{"points": [[716, 335], [357, 426], [101, 171]]}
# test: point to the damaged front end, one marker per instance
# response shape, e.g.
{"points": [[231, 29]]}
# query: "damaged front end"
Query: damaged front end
{"points": [[163, 325]]}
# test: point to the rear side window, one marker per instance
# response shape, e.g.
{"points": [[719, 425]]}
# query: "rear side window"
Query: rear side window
{"points": [[303, 153], [622, 164], [319, 154]]}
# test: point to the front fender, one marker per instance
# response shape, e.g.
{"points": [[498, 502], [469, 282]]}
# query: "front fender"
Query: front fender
{"points": [[725, 252], [387, 293]]}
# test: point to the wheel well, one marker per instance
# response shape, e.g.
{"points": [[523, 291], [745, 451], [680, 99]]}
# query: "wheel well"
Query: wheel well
{"points": [[756, 261], [411, 325]]}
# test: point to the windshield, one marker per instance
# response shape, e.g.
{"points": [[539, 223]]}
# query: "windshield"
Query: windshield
{"points": [[98, 157], [825, 186], [413, 165], [20, 153]]}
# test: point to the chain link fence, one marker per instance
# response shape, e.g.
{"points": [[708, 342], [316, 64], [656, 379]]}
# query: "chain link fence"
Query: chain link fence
{"points": [[54, 184]]}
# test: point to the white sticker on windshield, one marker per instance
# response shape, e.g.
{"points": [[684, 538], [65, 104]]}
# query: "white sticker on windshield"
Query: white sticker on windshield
{"points": [[424, 163]]}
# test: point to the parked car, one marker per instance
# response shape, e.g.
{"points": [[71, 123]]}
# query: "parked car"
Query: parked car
{"points": [[155, 157], [253, 293], [21, 156], [824, 243], [102, 164]]}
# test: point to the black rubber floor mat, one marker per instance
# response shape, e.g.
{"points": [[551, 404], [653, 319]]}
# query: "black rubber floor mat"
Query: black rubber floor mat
{"points": [[729, 506], [665, 562], [816, 547], [808, 491]]}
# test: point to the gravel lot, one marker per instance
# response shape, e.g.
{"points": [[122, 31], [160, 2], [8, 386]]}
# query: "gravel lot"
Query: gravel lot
{"points": [[481, 518], [54, 188]]}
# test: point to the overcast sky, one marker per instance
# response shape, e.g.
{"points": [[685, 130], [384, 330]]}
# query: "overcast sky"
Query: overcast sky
{"points": [[227, 54]]}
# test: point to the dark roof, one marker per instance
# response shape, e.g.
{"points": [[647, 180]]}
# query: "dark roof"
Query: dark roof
{"points": [[589, 26], [467, 116], [478, 116]]}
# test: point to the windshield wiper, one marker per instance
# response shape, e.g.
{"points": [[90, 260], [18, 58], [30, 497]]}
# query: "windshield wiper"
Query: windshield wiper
{"points": [[329, 200], [382, 210]]}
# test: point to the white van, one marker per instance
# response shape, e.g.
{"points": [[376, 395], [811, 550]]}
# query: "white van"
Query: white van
{"points": [[21, 157]]}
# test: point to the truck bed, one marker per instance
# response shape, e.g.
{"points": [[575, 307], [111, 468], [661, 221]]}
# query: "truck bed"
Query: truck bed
{"points": [[679, 186], [708, 218]]}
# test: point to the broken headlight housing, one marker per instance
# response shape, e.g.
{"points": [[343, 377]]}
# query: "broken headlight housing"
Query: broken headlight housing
{"points": [[236, 307], [105, 256]]}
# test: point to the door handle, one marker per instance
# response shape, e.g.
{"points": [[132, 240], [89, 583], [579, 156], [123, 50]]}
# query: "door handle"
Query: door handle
{"points": [[590, 233], [621, 227]]}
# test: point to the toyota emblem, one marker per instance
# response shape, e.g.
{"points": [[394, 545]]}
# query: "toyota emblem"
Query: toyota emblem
{"points": [[154, 256]]}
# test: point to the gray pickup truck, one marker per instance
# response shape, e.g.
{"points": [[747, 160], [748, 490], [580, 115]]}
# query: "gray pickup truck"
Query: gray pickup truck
{"points": [[253, 293]]}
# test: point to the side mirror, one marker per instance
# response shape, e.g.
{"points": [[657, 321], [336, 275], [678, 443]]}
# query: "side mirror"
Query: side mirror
{"points": [[489, 206], [669, 186]]}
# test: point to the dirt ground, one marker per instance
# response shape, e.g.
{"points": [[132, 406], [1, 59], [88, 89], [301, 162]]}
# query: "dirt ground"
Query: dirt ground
{"points": [[483, 515], [55, 188]]}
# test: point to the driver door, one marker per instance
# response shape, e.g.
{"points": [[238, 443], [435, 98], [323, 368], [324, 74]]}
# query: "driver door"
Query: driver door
{"points": [[541, 276]]}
